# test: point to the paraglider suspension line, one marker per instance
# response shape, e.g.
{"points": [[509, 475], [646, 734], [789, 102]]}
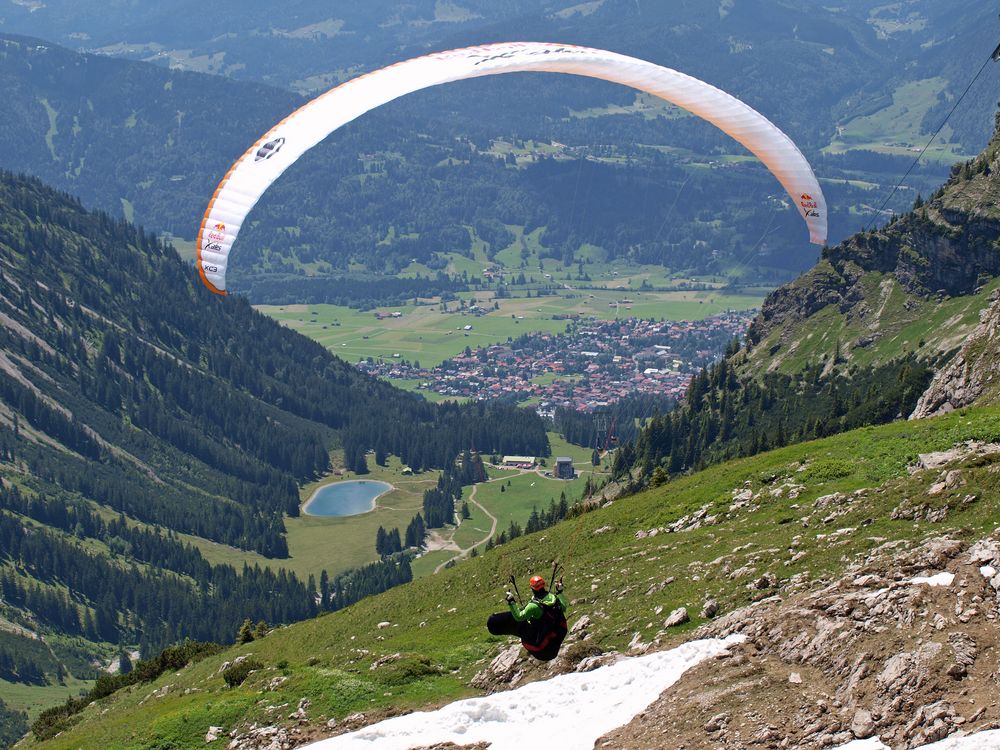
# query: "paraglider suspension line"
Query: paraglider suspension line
{"points": [[513, 582], [929, 142]]}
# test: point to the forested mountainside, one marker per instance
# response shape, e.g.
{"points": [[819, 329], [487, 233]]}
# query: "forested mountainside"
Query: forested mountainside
{"points": [[836, 62], [428, 177], [856, 340], [136, 406], [134, 140]]}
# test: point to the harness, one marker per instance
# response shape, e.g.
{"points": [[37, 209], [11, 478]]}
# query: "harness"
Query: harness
{"points": [[551, 626]]}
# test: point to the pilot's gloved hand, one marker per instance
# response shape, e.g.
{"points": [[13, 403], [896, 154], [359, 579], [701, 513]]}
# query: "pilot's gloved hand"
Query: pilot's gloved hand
{"points": [[509, 597]]}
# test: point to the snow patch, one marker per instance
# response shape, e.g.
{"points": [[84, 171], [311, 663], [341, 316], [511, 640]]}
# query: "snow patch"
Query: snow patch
{"points": [[872, 743], [941, 579], [980, 741], [584, 706]]}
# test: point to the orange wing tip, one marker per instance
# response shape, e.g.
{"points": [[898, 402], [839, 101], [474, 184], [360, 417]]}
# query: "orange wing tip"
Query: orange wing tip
{"points": [[214, 289], [211, 287]]}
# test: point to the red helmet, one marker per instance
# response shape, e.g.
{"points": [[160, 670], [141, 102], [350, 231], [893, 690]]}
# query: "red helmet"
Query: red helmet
{"points": [[537, 583]]}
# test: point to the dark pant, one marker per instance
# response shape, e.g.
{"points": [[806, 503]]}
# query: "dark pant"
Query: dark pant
{"points": [[503, 623]]}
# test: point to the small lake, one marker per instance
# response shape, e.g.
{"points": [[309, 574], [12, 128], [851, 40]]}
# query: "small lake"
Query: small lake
{"points": [[345, 498]]}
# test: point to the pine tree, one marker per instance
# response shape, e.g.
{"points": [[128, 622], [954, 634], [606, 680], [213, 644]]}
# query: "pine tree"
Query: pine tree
{"points": [[380, 542], [124, 663], [324, 589], [393, 543], [245, 634]]}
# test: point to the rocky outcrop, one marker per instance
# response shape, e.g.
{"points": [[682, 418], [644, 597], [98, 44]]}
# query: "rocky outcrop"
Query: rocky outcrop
{"points": [[903, 647], [973, 372], [946, 247]]}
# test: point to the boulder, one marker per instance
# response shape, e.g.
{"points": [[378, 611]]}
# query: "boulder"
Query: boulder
{"points": [[678, 617], [862, 725]]}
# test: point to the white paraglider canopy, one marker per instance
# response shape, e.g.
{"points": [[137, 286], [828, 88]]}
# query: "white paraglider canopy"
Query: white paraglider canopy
{"points": [[278, 149]]}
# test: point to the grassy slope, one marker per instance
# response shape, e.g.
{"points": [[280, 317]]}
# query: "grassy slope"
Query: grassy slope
{"points": [[33, 699], [877, 319], [609, 574], [903, 323], [896, 129]]}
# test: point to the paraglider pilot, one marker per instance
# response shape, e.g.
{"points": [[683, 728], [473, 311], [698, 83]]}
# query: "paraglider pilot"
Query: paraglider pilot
{"points": [[540, 624]]}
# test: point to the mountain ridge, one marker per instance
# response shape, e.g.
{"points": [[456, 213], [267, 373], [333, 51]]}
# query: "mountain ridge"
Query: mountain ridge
{"points": [[940, 252]]}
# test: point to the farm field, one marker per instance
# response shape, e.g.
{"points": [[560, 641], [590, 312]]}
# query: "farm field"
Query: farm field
{"points": [[425, 334], [896, 129]]}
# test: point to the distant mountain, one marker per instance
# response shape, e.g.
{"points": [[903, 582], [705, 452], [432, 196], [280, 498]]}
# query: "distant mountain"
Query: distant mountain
{"points": [[809, 70], [295, 45], [133, 140], [859, 87], [150, 144]]}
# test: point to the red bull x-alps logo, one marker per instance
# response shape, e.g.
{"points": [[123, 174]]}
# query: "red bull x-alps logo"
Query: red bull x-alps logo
{"points": [[217, 233], [809, 205]]}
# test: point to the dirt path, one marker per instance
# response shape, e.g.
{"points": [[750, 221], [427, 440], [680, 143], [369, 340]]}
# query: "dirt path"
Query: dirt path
{"points": [[493, 527]]}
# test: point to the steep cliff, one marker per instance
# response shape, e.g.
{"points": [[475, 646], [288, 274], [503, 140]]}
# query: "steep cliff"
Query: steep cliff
{"points": [[917, 284], [973, 375]]}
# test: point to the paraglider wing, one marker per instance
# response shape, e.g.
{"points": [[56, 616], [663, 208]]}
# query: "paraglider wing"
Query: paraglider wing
{"points": [[277, 149]]}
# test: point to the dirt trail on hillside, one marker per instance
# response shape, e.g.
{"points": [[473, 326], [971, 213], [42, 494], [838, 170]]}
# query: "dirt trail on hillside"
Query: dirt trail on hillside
{"points": [[493, 528]]}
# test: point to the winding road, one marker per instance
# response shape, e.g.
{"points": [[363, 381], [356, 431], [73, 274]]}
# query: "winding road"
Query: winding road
{"points": [[493, 527]]}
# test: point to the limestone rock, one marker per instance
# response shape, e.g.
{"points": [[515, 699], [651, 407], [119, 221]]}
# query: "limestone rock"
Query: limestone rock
{"points": [[678, 617], [717, 723], [595, 662], [503, 670], [862, 725], [299, 714], [580, 625], [970, 374], [710, 609]]}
